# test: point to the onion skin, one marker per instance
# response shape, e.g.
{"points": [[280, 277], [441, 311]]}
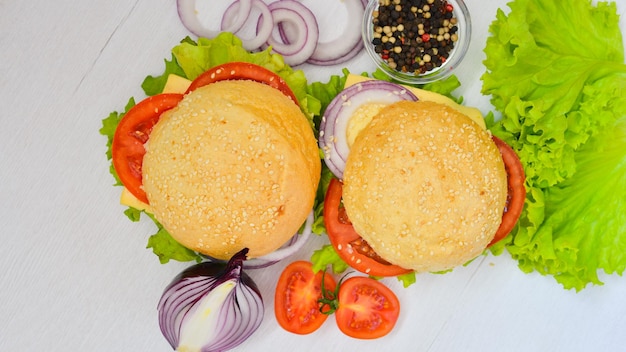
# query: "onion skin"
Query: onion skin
{"points": [[211, 307]]}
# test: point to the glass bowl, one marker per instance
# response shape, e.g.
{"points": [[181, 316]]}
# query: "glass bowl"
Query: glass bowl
{"points": [[423, 44]]}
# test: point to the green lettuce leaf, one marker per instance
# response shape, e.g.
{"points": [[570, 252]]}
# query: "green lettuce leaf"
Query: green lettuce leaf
{"points": [[154, 85], [584, 229], [109, 125], [166, 248], [557, 75], [325, 256]]}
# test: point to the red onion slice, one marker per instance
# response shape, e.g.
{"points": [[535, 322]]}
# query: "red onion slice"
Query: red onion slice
{"points": [[299, 27], [346, 46], [263, 31], [290, 248], [341, 59], [303, 24], [293, 17], [189, 17], [334, 125], [236, 22], [338, 50], [284, 30]]}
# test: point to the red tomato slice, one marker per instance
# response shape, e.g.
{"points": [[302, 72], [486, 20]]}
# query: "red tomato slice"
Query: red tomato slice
{"points": [[245, 71], [367, 308], [132, 132], [353, 249], [516, 190], [296, 300]]}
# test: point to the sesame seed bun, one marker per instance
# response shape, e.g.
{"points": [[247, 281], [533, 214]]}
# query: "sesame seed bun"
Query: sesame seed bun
{"points": [[234, 165], [425, 186]]}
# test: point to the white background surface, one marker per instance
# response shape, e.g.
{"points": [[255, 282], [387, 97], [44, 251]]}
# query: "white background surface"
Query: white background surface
{"points": [[74, 272]]}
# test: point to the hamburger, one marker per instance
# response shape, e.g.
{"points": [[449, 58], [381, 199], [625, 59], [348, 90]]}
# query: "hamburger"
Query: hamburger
{"points": [[425, 186], [234, 165]]}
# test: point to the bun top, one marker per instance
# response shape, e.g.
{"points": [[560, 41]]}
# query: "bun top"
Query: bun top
{"points": [[425, 186], [234, 165]]}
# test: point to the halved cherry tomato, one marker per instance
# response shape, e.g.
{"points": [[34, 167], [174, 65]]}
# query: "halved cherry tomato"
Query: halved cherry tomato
{"points": [[367, 308], [296, 300], [516, 190], [242, 70], [353, 249], [132, 132]]}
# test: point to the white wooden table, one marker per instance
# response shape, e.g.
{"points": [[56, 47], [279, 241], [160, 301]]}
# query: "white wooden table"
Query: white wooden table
{"points": [[74, 272]]}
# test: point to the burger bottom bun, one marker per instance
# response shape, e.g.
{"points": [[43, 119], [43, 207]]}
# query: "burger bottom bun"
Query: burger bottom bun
{"points": [[425, 186], [235, 165]]}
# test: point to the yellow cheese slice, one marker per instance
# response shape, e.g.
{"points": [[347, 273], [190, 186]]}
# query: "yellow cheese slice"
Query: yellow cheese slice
{"points": [[471, 112], [361, 117], [130, 200], [176, 84]]}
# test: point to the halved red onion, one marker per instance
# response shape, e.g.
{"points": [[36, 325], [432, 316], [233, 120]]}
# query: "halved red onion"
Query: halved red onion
{"points": [[263, 31], [303, 24], [333, 128], [211, 307]]}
